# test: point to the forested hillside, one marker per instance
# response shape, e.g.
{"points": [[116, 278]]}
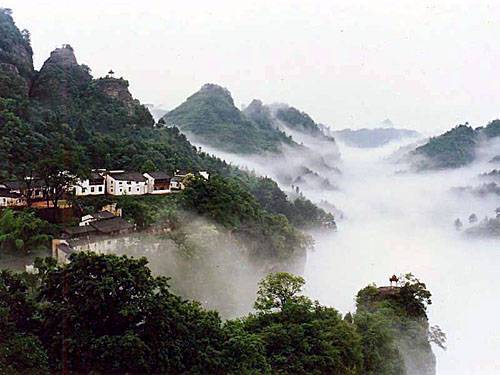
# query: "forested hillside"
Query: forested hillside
{"points": [[455, 148], [59, 123]]}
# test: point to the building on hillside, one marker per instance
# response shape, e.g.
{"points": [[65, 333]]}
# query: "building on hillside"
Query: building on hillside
{"points": [[37, 188], [94, 185], [11, 199], [125, 183], [176, 183], [158, 182], [101, 215], [98, 224]]}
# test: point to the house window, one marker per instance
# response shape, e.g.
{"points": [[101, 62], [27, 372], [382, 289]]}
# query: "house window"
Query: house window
{"points": [[92, 189], [129, 189], [137, 189], [100, 188], [129, 182], [84, 190]]}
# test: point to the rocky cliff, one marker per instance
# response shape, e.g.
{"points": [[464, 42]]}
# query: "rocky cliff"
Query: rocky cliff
{"points": [[403, 308], [16, 58], [61, 80]]}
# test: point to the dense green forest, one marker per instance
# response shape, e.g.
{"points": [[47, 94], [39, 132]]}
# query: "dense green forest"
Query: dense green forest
{"points": [[59, 123], [454, 148], [98, 312]]}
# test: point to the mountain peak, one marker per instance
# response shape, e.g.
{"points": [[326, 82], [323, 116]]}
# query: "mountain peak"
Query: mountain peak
{"points": [[214, 89], [64, 56], [387, 123]]}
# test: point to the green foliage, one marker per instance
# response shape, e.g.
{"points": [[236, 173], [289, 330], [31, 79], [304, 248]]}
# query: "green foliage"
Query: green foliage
{"points": [[15, 47], [227, 203], [211, 116], [298, 120], [23, 231], [492, 129], [95, 313], [452, 149], [20, 350], [399, 315], [302, 337], [277, 290]]}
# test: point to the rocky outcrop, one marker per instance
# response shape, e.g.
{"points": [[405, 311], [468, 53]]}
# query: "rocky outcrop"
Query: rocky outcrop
{"points": [[61, 80], [16, 58], [404, 308], [117, 88]]}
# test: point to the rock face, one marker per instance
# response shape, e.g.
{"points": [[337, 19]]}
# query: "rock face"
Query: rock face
{"points": [[117, 88], [16, 58], [61, 80]]}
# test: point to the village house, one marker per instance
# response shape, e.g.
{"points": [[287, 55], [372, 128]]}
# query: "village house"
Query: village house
{"points": [[93, 231], [101, 215], [94, 185], [125, 183], [158, 182], [37, 188], [101, 182], [11, 199]]}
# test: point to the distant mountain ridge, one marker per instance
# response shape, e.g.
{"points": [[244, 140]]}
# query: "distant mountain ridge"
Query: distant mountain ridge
{"points": [[376, 137]]}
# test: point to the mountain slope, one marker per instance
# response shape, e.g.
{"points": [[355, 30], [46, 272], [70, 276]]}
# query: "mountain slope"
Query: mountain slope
{"points": [[211, 117], [455, 148]]}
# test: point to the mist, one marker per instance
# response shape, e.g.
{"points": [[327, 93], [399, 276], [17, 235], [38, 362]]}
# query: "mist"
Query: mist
{"points": [[397, 221]]}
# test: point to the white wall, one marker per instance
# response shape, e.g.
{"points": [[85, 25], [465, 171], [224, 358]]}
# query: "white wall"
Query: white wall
{"points": [[115, 187], [84, 188]]}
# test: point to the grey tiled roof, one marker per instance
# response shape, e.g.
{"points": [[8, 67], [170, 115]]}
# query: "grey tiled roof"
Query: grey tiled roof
{"points": [[128, 176], [115, 224]]}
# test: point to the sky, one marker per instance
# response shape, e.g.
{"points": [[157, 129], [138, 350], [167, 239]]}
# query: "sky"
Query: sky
{"points": [[426, 65]]}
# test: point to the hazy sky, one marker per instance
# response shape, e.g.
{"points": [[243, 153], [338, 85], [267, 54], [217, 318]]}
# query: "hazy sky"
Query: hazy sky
{"points": [[424, 64]]}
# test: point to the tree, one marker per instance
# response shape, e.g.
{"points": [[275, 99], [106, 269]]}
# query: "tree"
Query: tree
{"points": [[63, 166], [148, 166], [99, 309], [472, 218], [23, 231], [276, 290], [21, 351], [22, 149]]}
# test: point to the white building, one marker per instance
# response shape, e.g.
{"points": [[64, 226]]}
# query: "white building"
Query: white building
{"points": [[11, 199], [95, 185], [126, 183]]}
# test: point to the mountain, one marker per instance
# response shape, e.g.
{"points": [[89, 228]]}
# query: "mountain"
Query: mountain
{"points": [[210, 117], [314, 164], [455, 148], [61, 120], [370, 138]]}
